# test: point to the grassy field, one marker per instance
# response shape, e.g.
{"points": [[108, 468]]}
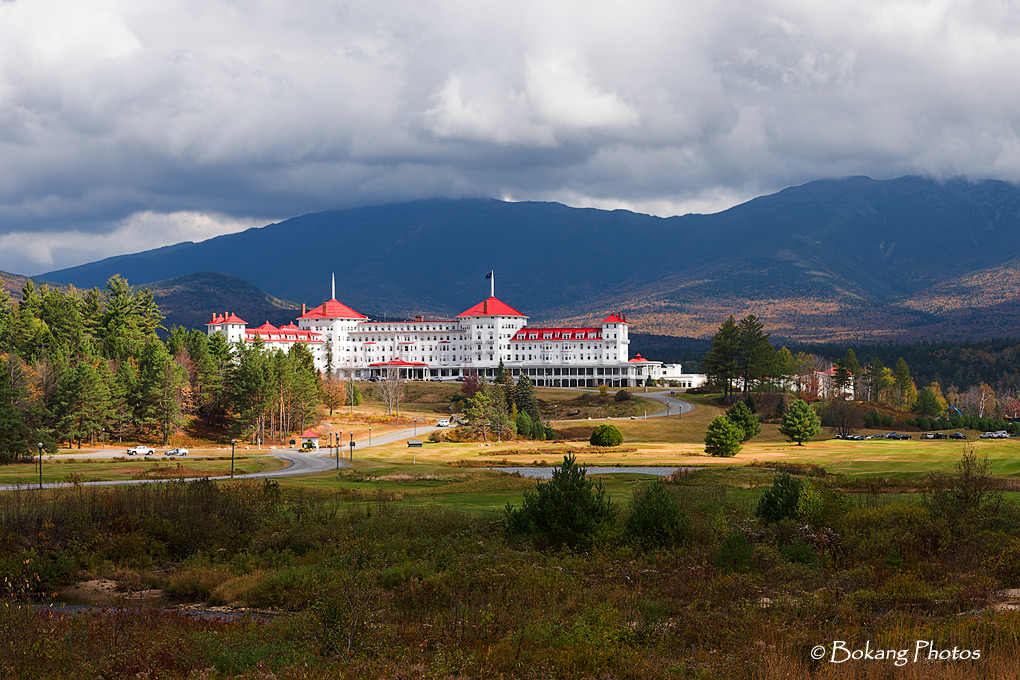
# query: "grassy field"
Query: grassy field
{"points": [[403, 566]]}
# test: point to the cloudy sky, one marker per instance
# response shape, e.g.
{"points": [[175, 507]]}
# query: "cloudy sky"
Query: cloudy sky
{"points": [[126, 125]]}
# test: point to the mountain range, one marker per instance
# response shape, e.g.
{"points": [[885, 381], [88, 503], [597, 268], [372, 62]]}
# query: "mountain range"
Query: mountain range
{"points": [[854, 259]]}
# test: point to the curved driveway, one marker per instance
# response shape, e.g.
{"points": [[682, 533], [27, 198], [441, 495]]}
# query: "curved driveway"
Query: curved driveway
{"points": [[298, 463]]}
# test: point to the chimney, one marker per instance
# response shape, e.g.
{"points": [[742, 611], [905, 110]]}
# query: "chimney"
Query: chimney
{"points": [[213, 316], [302, 309], [485, 306]]}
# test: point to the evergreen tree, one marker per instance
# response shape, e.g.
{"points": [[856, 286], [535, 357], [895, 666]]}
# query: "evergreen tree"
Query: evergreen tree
{"points": [[757, 358], [15, 433], [566, 510], [800, 424], [721, 362], [741, 415], [525, 425], [524, 397], [927, 405], [162, 391], [723, 437], [906, 393]]}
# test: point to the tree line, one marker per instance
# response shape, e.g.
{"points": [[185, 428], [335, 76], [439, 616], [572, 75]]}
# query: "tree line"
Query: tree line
{"points": [[88, 366], [742, 359]]}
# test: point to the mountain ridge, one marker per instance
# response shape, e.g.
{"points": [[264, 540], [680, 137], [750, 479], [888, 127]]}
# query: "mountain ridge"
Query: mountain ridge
{"points": [[830, 260]]}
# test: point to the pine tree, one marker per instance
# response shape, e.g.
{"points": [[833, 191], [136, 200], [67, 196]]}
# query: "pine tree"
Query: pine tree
{"points": [[926, 405], [723, 437], [906, 393], [740, 414], [721, 362], [800, 424], [756, 357], [524, 397]]}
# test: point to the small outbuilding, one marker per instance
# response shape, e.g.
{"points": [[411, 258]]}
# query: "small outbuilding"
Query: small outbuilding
{"points": [[308, 436]]}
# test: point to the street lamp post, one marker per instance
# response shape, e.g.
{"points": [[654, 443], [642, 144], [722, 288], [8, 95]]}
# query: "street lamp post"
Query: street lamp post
{"points": [[338, 440], [370, 436], [102, 432], [232, 443], [352, 446], [40, 445]]}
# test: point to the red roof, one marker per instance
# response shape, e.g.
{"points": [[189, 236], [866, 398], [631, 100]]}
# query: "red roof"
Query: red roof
{"points": [[226, 318], [491, 307], [612, 318], [308, 434], [557, 333], [267, 330], [289, 327], [331, 309], [638, 359], [398, 362]]}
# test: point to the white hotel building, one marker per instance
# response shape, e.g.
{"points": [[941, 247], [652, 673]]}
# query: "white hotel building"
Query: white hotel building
{"points": [[477, 339]]}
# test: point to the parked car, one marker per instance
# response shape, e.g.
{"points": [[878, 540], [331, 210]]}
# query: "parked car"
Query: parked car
{"points": [[435, 378], [898, 436], [140, 450], [958, 435], [179, 451], [443, 423], [928, 435]]}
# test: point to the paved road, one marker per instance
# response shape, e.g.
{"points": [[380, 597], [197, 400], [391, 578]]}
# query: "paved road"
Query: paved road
{"points": [[675, 405], [298, 462]]}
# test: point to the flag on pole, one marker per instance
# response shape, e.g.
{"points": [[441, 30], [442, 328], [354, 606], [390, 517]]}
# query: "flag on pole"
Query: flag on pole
{"points": [[489, 275]]}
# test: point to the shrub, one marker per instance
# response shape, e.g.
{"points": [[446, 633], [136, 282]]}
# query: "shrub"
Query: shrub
{"points": [[622, 395], [606, 435], [741, 415], [800, 423], [781, 500], [566, 510], [656, 518], [723, 438], [735, 554], [800, 552]]}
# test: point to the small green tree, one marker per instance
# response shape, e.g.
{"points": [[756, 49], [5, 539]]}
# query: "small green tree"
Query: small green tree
{"points": [[781, 500], [567, 510], [622, 395], [741, 415], [927, 404], [525, 425], [606, 435], [800, 423], [723, 438], [656, 518]]}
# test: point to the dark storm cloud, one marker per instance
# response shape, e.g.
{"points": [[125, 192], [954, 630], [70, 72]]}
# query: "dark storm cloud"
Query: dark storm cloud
{"points": [[128, 125]]}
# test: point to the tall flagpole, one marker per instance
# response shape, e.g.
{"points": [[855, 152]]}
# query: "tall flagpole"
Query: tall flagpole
{"points": [[492, 284], [333, 288]]}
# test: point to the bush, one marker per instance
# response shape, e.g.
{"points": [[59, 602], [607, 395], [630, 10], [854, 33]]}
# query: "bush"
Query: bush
{"points": [[741, 415], [622, 395], [606, 435], [780, 502], [723, 438], [525, 426], [656, 518], [566, 510], [735, 554]]}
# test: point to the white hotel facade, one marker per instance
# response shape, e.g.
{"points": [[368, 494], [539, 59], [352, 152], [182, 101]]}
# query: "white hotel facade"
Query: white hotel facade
{"points": [[477, 339]]}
